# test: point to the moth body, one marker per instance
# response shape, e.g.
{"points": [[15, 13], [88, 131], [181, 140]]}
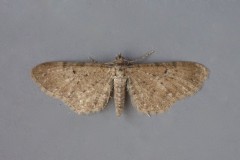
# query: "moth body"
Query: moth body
{"points": [[120, 81]]}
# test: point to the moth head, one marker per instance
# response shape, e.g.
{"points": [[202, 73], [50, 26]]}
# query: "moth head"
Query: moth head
{"points": [[120, 59]]}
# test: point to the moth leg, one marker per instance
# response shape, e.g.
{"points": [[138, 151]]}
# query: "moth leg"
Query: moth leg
{"points": [[92, 60]]}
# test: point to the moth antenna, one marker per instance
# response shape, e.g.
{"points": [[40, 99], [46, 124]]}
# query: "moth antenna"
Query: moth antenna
{"points": [[147, 54]]}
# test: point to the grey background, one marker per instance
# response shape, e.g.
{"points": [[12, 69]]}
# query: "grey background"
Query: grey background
{"points": [[35, 126]]}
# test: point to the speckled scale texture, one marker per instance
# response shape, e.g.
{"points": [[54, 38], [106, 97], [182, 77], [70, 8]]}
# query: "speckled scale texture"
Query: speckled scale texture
{"points": [[155, 87], [84, 87], [87, 87]]}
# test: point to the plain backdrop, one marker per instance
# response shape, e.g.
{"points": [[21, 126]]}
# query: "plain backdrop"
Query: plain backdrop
{"points": [[34, 126]]}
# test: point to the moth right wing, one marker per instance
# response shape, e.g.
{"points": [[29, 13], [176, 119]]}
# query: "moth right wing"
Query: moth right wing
{"points": [[153, 88], [85, 87]]}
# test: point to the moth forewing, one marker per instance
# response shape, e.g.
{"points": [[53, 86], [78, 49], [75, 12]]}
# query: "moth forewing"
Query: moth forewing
{"points": [[85, 88], [155, 87]]}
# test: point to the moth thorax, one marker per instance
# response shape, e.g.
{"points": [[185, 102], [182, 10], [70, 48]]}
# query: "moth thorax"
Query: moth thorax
{"points": [[120, 72]]}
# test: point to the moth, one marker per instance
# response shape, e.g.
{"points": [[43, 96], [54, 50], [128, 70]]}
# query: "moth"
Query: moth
{"points": [[87, 87]]}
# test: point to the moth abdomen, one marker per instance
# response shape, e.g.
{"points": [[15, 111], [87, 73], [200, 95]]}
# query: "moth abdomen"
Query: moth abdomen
{"points": [[119, 94]]}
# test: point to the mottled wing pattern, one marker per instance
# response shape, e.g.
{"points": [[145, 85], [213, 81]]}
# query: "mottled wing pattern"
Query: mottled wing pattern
{"points": [[85, 87], [155, 87]]}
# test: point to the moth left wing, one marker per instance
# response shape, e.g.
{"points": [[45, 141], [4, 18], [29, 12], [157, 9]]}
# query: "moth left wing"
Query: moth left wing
{"points": [[85, 87], [153, 88]]}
